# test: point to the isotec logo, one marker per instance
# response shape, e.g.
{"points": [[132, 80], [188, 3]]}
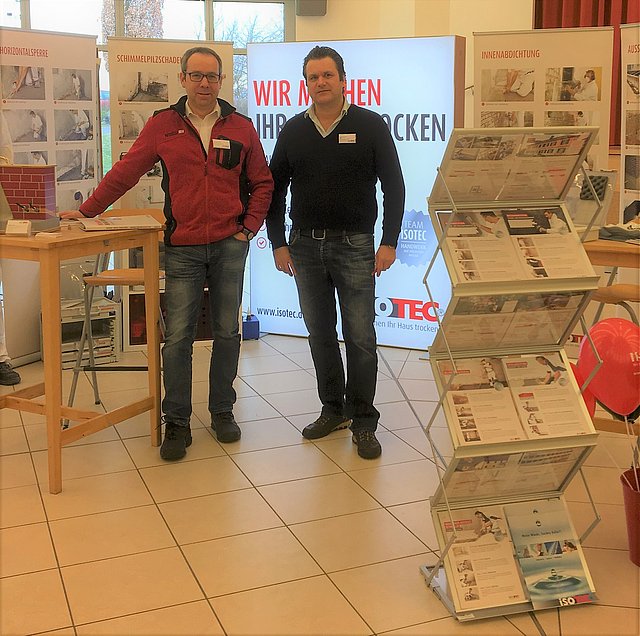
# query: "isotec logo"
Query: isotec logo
{"points": [[406, 308]]}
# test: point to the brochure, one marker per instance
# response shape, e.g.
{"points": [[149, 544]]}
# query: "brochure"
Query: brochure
{"points": [[549, 554], [494, 321], [505, 399], [512, 244], [481, 568], [518, 473]]}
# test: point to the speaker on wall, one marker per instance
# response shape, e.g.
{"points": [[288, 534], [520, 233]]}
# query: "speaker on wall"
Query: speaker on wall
{"points": [[311, 7]]}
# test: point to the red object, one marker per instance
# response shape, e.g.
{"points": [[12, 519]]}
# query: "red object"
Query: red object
{"points": [[587, 396], [631, 497], [617, 382]]}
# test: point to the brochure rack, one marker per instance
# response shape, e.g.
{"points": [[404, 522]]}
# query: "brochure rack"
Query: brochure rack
{"points": [[519, 428]]}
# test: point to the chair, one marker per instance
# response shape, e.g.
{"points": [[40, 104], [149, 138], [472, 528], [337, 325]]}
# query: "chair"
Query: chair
{"points": [[102, 277], [620, 294]]}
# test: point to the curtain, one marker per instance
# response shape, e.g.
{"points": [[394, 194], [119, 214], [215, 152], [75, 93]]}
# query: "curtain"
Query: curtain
{"points": [[554, 14]]}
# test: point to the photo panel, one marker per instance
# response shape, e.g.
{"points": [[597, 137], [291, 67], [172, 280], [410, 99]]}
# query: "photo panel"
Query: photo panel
{"points": [[22, 82], [508, 85], [75, 165], [74, 124], [27, 125], [143, 86], [72, 84]]}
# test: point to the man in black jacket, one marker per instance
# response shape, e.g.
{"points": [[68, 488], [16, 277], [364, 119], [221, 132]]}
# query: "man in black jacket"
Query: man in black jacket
{"points": [[332, 156]]}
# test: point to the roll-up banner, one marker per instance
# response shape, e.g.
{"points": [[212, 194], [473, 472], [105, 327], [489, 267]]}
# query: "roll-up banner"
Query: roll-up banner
{"points": [[416, 85]]}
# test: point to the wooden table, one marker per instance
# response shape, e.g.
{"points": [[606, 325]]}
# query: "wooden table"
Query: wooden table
{"points": [[49, 249], [613, 254]]}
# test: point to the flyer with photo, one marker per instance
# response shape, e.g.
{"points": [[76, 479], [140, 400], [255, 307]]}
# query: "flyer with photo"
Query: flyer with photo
{"points": [[546, 400], [549, 554], [479, 402], [481, 564]]}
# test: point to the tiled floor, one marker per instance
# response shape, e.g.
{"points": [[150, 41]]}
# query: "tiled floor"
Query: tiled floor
{"points": [[270, 535]]}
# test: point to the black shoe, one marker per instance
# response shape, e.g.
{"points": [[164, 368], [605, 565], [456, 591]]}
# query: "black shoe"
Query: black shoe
{"points": [[368, 444], [176, 440], [324, 425], [8, 377], [225, 427]]}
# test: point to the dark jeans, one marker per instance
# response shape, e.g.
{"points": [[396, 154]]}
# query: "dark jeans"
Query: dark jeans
{"points": [[221, 266], [345, 266]]}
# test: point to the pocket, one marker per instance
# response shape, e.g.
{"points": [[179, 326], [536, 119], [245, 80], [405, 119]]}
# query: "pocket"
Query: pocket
{"points": [[359, 240], [294, 235], [228, 158]]}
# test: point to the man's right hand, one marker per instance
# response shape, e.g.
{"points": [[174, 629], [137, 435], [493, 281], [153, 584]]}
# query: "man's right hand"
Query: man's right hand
{"points": [[71, 214], [283, 261]]}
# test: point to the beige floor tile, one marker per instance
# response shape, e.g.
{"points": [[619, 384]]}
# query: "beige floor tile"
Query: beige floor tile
{"points": [[137, 426], [178, 620], [144, 455], [26, 549], [399, 483], [420, 389], [417, 518], [295, 402], [13, 440], [193, 478], [37, 436], [286, 344], [604, 484], [387, 391], [417, 370], [417, 439], [257, 348], [358, 539], [136, 583], [345, 453], [621, 589], [407, 599], [612, 450], [87, 460], [302, 358], [282, 382], [284, 464], [10, 418], [396, 415], [600, 621], [393, 353], [453, 627], [263, 434], [247, 561], [20, 506], [200, 389], [110, 534], [221, 515], [611, 532], [317, 498], [389, 368], [425, 408], [265, 364], [244, 410], [16, 470], [23, 611], [548, 619], [99, 493], [66, 631], [301, 608]]}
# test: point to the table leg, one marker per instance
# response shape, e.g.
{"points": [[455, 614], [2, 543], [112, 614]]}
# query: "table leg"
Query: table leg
{"points": [[152, 304], [52, 345]]}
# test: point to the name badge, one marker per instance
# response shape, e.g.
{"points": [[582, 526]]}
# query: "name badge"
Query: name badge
{"points": [[347, 138], [221, 143]]}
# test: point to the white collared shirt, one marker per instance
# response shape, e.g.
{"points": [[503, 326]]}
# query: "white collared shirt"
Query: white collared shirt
{"points": [[311, 114], [204, 124]]}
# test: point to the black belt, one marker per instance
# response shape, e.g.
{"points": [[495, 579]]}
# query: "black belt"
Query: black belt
{"points": [[325, 235]]}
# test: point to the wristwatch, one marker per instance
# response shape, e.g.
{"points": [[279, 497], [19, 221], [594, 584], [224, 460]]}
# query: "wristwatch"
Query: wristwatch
{"points": [[248, 233]]}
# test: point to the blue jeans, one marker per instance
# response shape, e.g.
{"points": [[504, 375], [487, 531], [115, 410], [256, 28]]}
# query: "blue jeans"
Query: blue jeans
{"points": [[221, 266], [343, 265]]}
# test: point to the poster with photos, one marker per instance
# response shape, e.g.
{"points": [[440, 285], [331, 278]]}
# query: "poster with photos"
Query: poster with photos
{"points": [[630, 126], [546, 78], [49, 102], [145, 78]]}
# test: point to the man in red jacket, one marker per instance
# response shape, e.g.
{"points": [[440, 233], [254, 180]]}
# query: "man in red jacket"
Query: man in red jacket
{"points": [[217, 192]]}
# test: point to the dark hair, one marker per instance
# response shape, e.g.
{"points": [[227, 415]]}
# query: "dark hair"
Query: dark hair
{"points": [[199, 49], [590, 73], [320, 52]]}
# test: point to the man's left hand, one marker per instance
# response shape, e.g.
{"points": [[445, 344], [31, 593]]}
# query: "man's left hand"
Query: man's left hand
{"points": [[240, 236], [385, 257]]}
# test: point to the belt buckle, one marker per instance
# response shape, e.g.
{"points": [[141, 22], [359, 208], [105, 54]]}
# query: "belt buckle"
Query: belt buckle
{"points": [[319, 238]]}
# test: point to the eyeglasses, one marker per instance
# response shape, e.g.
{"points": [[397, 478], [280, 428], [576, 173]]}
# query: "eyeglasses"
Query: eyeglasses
{"points": [[212, 78]]}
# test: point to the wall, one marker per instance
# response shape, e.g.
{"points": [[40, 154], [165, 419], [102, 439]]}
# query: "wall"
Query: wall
{"points": [[363, 19]]}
